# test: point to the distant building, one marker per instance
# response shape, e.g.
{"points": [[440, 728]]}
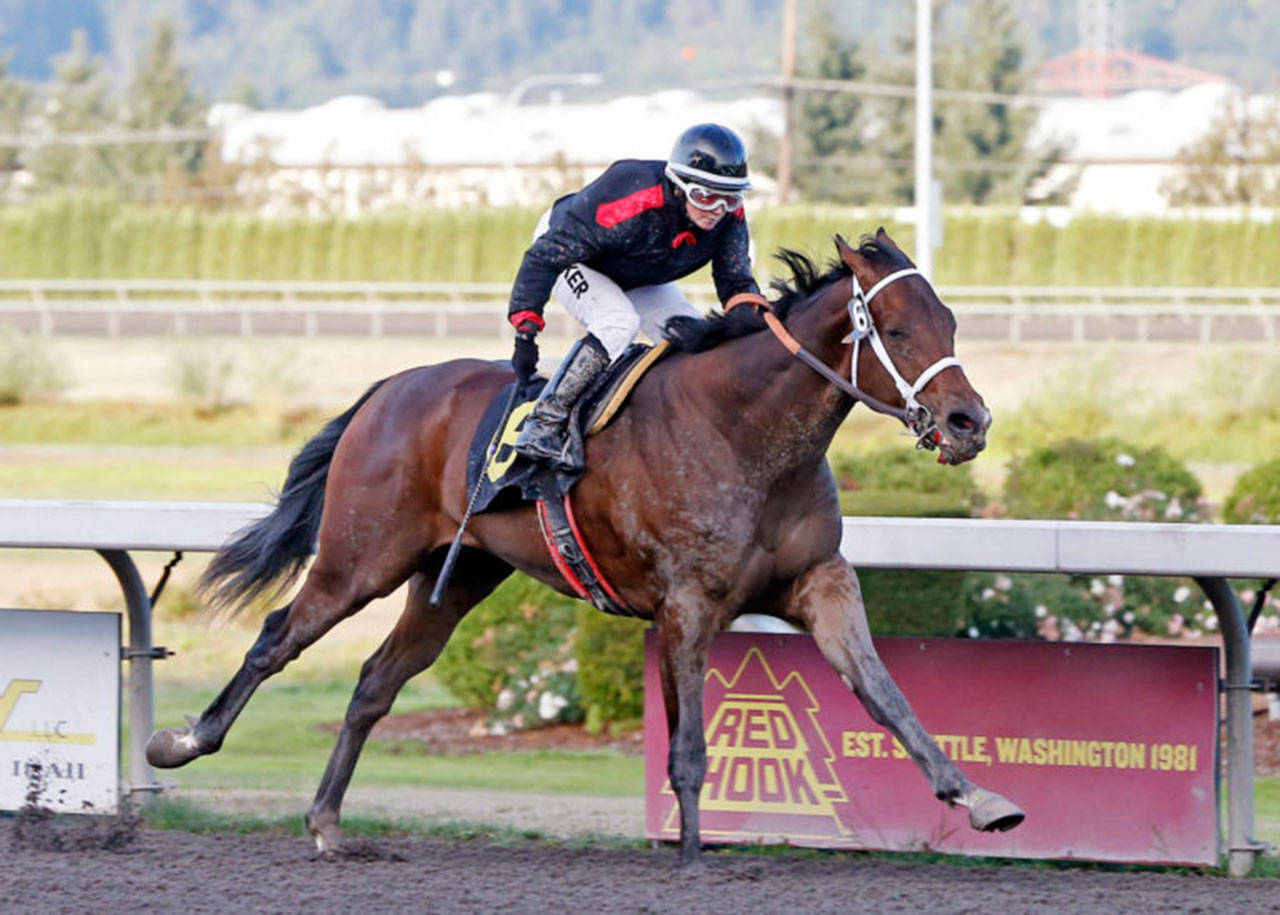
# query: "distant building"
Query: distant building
{"points": [[353, 154]]}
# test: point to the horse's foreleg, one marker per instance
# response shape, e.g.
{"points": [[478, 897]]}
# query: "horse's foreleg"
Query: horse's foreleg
{"points": [[413, 645], [326, 597], [828, 600], [685, 632]]}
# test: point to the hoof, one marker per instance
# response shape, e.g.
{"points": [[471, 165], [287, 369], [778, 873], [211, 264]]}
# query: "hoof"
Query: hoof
{"points": [[326, 833], [171, 748], [989, 812]]}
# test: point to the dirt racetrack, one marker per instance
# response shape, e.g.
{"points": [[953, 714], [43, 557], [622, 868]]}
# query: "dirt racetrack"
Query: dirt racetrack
{"points": [[168, 871]]}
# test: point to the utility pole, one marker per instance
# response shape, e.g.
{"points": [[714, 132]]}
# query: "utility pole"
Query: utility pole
{"points": [[785, 145], [926, 212]]}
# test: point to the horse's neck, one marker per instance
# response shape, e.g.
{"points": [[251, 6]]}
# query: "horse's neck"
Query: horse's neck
{"points": [[773, 404]]}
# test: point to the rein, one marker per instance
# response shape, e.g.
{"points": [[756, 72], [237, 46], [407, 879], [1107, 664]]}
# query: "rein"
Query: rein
{"points": [[915, 415]]}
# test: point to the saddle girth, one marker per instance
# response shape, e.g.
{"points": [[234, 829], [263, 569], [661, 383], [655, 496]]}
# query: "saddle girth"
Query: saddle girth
{"points": [[572, 558]]}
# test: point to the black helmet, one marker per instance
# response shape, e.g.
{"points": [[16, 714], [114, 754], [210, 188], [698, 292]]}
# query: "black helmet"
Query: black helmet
{"points": [[710, 155]]}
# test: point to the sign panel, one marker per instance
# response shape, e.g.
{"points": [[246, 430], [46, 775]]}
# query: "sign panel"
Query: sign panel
{"points": [[1110, 749], [60, 710]]}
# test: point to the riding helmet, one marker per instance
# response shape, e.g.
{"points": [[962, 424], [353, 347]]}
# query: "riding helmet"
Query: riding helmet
{"points": [[711, 155]]}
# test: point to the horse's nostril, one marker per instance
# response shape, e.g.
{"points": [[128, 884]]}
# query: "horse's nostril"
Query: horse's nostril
{"points": [[961, 423]]}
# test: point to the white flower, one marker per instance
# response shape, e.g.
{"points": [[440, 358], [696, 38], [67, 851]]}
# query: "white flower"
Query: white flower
{"points": [[1174, 510], [1096, 587], [498, 729], [973, 632], [1129, 617], [506, 699], [1003, 582], [1041, 611], [550, 704], [1114, 499], [1125, 460], [1115, 580], [1180, 595], [1071, 632], [988, 593], [1211, 623]]}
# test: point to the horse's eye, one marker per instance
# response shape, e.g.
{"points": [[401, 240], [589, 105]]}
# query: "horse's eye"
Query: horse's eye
{"points": [[897, 333]]}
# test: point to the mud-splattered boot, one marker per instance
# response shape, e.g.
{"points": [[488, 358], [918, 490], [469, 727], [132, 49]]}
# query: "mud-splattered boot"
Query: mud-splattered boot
{"points": [[543, 435]]}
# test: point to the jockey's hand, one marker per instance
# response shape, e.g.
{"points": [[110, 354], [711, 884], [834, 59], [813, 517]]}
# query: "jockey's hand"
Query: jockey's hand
{"points": [[524, 359]]}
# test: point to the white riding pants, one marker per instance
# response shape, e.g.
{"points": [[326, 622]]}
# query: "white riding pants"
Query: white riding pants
{"points": [[614, 316]]}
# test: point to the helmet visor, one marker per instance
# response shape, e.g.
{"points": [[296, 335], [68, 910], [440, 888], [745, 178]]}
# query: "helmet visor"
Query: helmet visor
{"points": [[706, 198]]}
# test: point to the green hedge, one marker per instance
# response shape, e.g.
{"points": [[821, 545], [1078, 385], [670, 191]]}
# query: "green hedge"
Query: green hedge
{"points": [[1255, 497], [1106, 480], [513, 655], [93, 235]]}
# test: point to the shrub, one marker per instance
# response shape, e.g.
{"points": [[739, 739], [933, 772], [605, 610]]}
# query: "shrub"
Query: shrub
{"points": [[1255, 497], [1105, 480], [27, 371], [899, 470], [900, 482], [513, 654], [610, 655]]}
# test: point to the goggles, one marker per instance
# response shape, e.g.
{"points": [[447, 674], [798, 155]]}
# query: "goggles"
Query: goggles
{"points": [[705, 198]]}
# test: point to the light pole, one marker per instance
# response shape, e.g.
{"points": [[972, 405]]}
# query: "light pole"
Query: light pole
{"points": [[550, 79], [926, 212]]}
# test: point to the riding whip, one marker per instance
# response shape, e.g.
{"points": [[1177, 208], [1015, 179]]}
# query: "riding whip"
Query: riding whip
{"points": [[451, 559]]}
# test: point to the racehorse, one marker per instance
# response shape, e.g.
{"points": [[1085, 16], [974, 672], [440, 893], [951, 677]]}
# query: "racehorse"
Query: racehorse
{"points": [[707, 497]]}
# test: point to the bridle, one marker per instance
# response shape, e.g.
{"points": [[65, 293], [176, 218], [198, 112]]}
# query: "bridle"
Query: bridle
{"points": [[914, 415]]}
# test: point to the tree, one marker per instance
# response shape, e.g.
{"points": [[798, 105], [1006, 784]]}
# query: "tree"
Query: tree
{"points": [[830, 128], [982, 148], [1236, 161], [14, 96], [77, 105], [987, 143], [160, 95]]}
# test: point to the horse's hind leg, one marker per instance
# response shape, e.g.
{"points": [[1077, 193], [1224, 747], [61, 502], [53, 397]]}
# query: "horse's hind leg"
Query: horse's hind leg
{"points": [[828, 600], [413, 645], [333, 590]]}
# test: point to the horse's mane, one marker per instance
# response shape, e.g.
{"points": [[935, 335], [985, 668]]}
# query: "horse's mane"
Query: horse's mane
{"points": [[693, 335]]}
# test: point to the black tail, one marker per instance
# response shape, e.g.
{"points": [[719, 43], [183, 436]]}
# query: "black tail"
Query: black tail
{"points": [[267, 556]]}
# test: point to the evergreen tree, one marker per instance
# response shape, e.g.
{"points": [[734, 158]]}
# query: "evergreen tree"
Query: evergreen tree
{"points": [[982, 148], [829, 127], [988, 143], [160, 95], [14, 96], [78, 104]]}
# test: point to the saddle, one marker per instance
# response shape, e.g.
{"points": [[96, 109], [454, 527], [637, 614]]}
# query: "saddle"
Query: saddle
{"points": [[508, 479]]}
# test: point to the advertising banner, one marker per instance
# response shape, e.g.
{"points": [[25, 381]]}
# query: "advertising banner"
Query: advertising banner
{"points": [[60, 710], [1110, 749]]}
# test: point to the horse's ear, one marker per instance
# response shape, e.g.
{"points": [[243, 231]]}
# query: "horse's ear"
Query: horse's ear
{"points": [[851, 257]]}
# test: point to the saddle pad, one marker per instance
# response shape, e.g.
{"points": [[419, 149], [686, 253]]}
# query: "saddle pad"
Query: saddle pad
{"points": [[597, 407]]}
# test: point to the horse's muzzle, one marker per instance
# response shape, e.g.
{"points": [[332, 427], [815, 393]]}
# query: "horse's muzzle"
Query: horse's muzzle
{"points": [[964, 434]]}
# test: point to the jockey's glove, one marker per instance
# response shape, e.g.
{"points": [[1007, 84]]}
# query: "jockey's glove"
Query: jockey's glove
{"points": [[524, 359]]}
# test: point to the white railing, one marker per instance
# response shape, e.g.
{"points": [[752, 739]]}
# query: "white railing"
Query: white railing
{"points": [[1210, 553], [1014, 313]]}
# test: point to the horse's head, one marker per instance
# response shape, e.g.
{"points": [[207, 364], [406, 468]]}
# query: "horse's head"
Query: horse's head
{"points": [[903, 339]]}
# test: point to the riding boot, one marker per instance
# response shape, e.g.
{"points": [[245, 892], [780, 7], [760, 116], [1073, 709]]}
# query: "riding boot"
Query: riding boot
{"points": [[543, 435]]}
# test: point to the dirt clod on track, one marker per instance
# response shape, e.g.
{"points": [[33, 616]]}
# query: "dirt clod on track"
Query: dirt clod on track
{"points": [[167, 871]]}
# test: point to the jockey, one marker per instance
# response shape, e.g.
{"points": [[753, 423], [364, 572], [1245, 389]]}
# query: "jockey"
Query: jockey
{"points": [[609, 254]]}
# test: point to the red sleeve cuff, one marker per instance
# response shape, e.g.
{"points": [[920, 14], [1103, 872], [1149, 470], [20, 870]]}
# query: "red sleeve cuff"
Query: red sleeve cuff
{"points": [[526, 317]]}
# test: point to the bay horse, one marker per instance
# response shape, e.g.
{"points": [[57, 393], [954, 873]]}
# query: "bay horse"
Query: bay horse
{"points": [[708, 497]]}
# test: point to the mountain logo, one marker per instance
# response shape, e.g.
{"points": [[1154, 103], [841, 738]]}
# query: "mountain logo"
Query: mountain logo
{"points": [[766, 755]]}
